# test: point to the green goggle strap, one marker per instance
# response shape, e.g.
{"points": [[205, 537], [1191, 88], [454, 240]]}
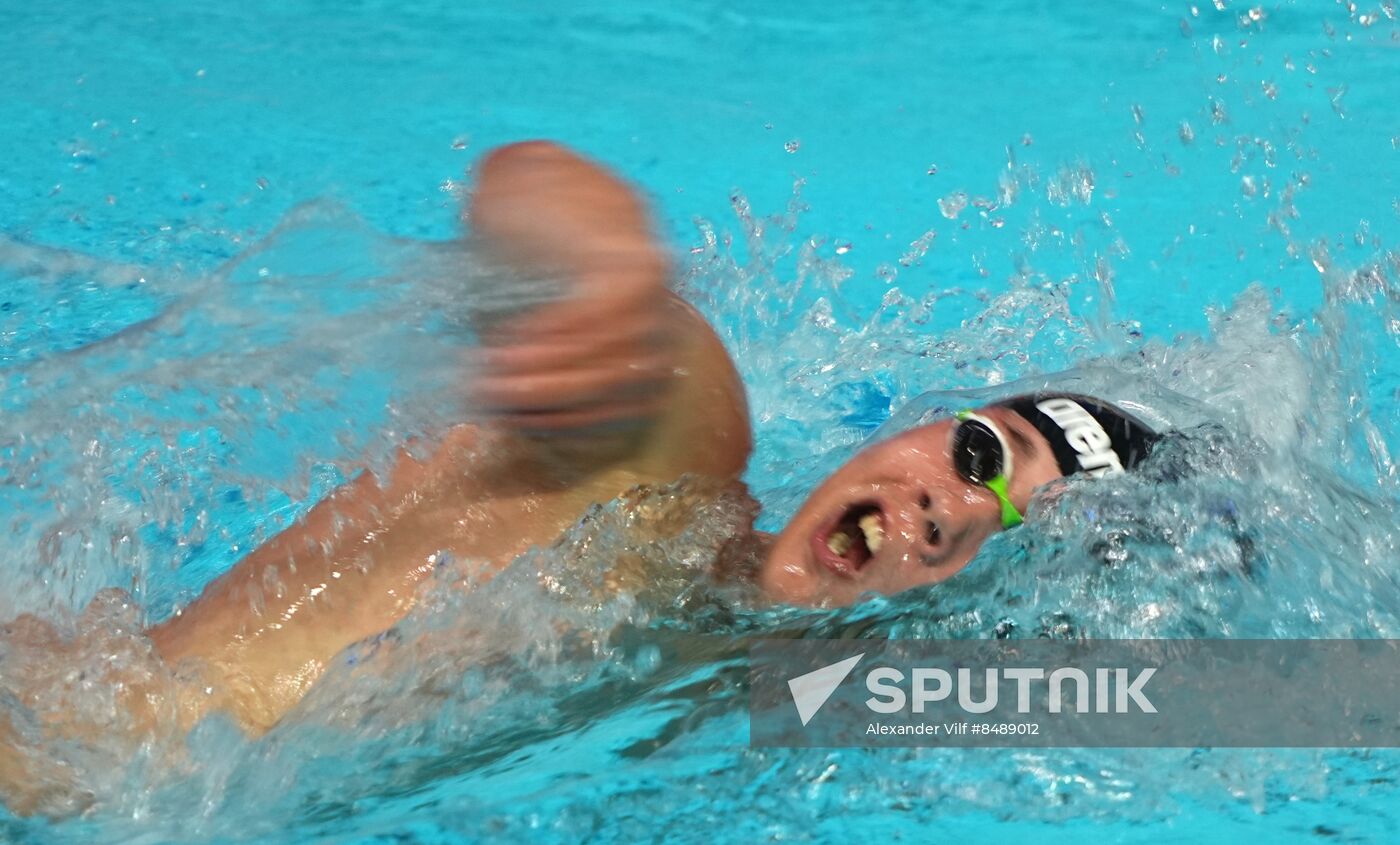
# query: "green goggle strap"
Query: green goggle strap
{"points": [[1010, 517]]}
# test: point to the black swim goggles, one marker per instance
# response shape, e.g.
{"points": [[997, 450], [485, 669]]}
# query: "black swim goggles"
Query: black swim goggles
{"points": [[982, 457]]}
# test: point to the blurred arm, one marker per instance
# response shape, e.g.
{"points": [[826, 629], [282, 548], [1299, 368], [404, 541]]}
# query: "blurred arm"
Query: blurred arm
{"points": [[622, 383]]}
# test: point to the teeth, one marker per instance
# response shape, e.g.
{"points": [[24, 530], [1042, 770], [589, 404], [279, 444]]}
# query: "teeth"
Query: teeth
{"points": [[874, 534], [839, 542]]}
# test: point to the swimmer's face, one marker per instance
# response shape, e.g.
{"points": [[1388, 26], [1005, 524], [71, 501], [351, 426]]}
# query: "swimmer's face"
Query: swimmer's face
{"points": [[912, 519]]}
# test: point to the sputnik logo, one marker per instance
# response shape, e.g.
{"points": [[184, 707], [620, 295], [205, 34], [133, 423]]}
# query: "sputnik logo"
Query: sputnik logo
{"points": [[810, 691]]}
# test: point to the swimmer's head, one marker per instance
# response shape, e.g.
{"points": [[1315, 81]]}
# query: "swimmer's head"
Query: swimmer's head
{"points": [[914, 509]]}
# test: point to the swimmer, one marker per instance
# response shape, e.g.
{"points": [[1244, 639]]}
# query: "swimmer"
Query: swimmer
{"points": [[622, 383]]}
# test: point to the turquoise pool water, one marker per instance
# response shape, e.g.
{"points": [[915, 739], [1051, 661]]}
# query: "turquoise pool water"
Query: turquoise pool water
{"points": [[201, 207]]}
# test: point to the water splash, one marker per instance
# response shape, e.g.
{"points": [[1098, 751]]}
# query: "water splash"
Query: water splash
{"points": [[495, 707], [316, 353]]}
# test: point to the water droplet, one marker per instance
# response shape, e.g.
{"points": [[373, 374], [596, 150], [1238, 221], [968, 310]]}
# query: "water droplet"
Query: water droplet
{"points": [[918, 249], [263, 183], [1270, 89], [792, 146], [1137, 114], [1027, 140], [1185, 132], [1218, 115], [199, 73], [953, 204], [1256, 14], [1336, 95], [1248, 187], [1219, 5], [460, 142], [842, 249], [933, 170]]}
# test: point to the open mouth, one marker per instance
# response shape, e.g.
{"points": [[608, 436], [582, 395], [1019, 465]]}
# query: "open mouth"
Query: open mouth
{"points": [[853, 539]]}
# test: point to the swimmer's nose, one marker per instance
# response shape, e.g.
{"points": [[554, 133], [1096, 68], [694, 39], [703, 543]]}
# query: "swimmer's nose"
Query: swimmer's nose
{"points": [[930, 531], [944, 520], [927, 523]]}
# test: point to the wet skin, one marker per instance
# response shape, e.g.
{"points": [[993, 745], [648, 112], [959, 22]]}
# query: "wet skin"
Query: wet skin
{"points": [[621, 384], [929, 520]]}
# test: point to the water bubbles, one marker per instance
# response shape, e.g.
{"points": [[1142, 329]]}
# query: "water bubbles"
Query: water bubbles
{"points": [[1185, 132], [461, 142], [843, 248], [932, 170], [1269, 88], [792, 146], [263, 183], [1248, 186]]}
